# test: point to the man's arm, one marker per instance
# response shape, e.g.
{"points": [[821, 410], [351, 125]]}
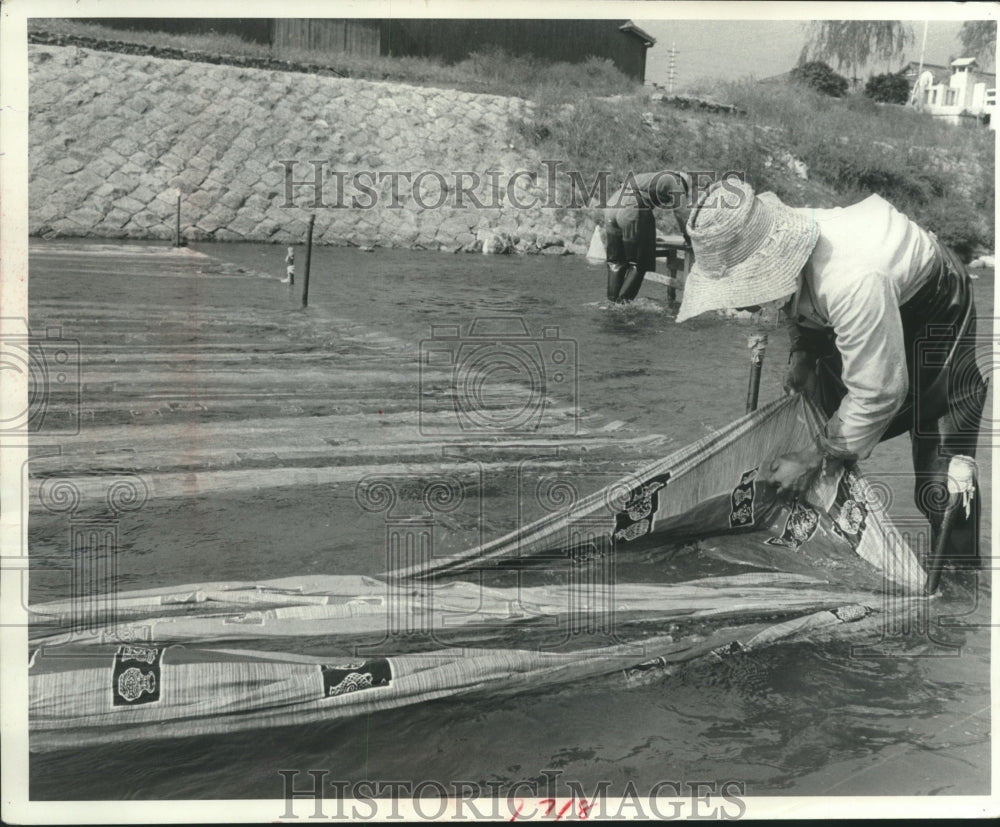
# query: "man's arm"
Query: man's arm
{"points": [[869, 334]]}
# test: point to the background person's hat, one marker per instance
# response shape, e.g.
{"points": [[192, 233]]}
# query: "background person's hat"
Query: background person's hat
{"points": [[748, 250]]}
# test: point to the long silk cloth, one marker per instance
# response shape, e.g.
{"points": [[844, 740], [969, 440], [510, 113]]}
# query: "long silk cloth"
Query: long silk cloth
{"points": [[830, 565]]}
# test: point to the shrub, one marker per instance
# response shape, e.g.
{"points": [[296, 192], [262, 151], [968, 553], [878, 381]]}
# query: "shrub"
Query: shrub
{"points": [[888, 88], [861, 105], [530, 77], [819, 76]]}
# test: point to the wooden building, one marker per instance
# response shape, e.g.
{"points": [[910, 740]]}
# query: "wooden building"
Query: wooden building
{"points": [[570, 41], [352, 36], [449, 40]]}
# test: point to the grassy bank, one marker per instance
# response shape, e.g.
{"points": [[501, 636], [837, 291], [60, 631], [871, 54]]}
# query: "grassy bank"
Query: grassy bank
{"points": [[939, 174], [598, 122]]}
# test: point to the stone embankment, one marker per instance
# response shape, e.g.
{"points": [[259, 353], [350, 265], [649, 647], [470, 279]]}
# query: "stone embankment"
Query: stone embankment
{"points": [[115, 139]]}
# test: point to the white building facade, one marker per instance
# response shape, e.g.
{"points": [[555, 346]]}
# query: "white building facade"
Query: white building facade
{"points": [[964, 93]]}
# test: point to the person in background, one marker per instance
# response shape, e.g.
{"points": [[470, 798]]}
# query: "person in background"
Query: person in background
{"points": [[882, 324], [631, 227]]}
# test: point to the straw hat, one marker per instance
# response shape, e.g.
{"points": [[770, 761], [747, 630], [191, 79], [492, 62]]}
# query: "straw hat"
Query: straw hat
{"points": [[748, 249]]}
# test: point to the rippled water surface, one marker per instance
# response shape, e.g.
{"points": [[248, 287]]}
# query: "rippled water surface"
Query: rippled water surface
{"points": [[908, 717]]}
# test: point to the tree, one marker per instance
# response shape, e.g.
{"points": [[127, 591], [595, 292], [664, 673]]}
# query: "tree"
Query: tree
{"points": [[979, 39], [853, 43], [888, 88], [820, 77]]}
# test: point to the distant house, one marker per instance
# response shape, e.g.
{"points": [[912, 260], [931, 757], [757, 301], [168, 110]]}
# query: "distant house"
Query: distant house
{"points": [[956, 92], [784, 77], [789, 77], [912, 70]]}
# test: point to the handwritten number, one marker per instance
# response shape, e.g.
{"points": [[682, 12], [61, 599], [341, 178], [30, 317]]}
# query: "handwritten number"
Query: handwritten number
{"points": [[583, 808]]}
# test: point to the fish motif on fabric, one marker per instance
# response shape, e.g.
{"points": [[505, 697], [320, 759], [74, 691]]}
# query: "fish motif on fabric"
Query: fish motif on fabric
{"points": [[850, 614], [133, 683], [354, 677], [352, 683], [741, 495], [851, 518], [850, 510], [633, 531], [741, 514], [636, 518], [136, 676], [800, 526], [644, 501], [732, 648], [645, 666]]}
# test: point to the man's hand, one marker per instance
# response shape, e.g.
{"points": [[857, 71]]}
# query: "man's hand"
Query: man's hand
{"points": [[801, 375], [793, 474]]}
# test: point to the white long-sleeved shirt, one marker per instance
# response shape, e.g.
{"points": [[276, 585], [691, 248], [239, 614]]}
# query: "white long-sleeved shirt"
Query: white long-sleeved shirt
{"points": [[869, 260]]}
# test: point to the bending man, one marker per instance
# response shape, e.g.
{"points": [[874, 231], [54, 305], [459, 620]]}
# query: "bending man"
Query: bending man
{"points": [[631, 228], [883, 330]]}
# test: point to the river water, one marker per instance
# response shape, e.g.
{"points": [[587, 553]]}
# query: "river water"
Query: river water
{"points": [[911, 718]]}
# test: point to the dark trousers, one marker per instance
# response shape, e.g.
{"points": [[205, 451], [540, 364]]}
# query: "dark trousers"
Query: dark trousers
{"points": [[947, 391], [631, 240]]}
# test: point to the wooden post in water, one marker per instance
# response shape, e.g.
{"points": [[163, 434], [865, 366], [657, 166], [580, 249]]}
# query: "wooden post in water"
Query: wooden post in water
{"points": [[757, 343], [290, 269], [309, 245], [177, 231]]}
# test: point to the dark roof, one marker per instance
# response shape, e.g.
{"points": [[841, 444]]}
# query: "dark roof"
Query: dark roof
{"points": [[784, 77], [940, 73], [630, 28], [911, 69]]}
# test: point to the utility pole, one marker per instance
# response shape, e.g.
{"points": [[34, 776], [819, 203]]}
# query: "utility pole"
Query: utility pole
{"points": [[917, 91], [673, 64], [923, 47]]}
